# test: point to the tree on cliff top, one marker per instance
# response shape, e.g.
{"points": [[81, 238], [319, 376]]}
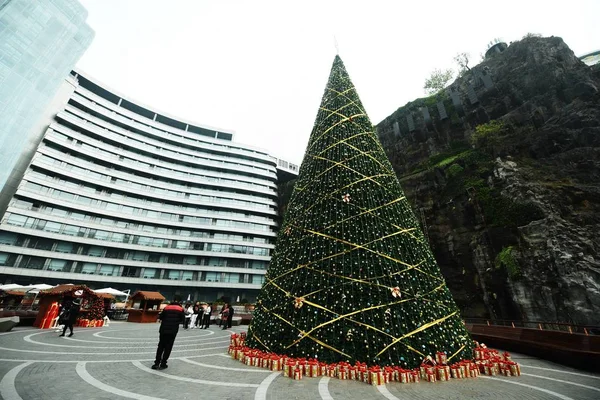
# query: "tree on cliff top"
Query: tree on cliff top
{"points": [[352, 277], [438, 80]]}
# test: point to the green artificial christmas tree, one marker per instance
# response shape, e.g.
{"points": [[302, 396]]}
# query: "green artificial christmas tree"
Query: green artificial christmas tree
{"points": [[352, 278]]}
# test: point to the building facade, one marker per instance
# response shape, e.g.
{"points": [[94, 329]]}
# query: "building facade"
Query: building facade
{"points": [[118, 194], [40, 42]]}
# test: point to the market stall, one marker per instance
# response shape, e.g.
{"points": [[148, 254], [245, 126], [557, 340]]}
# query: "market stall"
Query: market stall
{"points": [[10, 299], [91, 312], [145, 306]]}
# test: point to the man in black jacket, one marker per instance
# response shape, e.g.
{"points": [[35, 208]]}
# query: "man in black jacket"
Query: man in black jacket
{"points": [[171, 317]]}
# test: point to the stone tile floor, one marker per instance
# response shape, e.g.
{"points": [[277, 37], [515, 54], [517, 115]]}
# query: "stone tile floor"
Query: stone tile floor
{"points": [[113, 363]]}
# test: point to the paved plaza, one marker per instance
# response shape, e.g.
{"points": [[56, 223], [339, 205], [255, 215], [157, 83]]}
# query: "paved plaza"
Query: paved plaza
{"points": [[114, 363]]}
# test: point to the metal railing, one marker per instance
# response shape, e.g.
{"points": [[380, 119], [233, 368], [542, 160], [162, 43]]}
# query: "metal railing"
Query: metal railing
{"points": [[539, 325]]}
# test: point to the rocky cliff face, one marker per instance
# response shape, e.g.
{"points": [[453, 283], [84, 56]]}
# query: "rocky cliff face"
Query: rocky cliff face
{"points": [[503, 170]]}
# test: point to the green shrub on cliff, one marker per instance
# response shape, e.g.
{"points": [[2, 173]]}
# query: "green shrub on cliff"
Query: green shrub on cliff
{"points": [[486, 136], [499, 210], [506, 258], [454, 170]]}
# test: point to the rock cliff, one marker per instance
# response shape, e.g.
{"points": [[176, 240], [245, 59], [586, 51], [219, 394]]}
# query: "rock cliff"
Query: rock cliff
{"points": [[503, 170]]}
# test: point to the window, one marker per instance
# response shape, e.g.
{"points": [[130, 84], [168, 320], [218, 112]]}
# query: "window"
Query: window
{"points": [[52, 227], [95, 251], [180, 244], [259, 265], [187, 276], [102, 235], [30, 262], [117, 237], [57, 265], [197, 246], [157, 242], [109, 270], [143, 240], [236, 263], [216, 261], [8, 238], [89, 268], [190, 260], [16, 219], [173, 275], [114, 253], [41, 244], [139, 255], [150, 273], [64, 247], [112, 207], [7, 259], [71, 230], [211, 276], [175, 259], [131, 272]]}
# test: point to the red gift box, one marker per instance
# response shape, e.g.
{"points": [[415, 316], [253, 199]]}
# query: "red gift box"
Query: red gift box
{"points": [[441, 357], [404, 376], [427, 367], [442, 372], [455, 371], [288, 368], [415, 376], [312, 369], [297, 373], [353, 373], [322, 369], [431, 377], [275, 363], [376, 376], [515, 369], [331, 369]]}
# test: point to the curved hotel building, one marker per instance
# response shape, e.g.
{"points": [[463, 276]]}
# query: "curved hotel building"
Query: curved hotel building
{"points": [[118, 194]]}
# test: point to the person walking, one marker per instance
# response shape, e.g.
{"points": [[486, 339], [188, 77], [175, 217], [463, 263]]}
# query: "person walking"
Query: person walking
{"points": [[198, 311], [70, 316], [194, 316], [206, 316], [170, 319], [229, 318], [188, 315], [224, 313]]}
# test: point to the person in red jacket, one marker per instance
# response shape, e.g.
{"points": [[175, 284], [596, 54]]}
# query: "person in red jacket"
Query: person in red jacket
{"points": [[170, 319]]}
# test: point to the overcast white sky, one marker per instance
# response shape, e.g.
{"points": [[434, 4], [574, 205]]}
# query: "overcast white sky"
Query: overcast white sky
{"points": [[259, 68]]}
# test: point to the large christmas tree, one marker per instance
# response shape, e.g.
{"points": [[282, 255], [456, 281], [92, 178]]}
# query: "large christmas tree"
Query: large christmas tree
{"points": [[352, 277]]}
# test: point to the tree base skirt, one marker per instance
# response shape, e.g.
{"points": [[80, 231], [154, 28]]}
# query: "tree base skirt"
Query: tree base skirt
{"points": [[486, 361]]}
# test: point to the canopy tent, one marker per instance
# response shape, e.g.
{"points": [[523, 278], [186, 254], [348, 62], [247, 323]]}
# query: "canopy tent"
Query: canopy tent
{"points": [[112, 291], [11, 286], [29, 288]]}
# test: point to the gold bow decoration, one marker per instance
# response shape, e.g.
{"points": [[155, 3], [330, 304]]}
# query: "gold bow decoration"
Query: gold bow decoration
{"points": [[299, 302]]}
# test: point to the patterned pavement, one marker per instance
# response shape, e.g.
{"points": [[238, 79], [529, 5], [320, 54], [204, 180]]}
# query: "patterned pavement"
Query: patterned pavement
{"points": [[114, 363]]}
